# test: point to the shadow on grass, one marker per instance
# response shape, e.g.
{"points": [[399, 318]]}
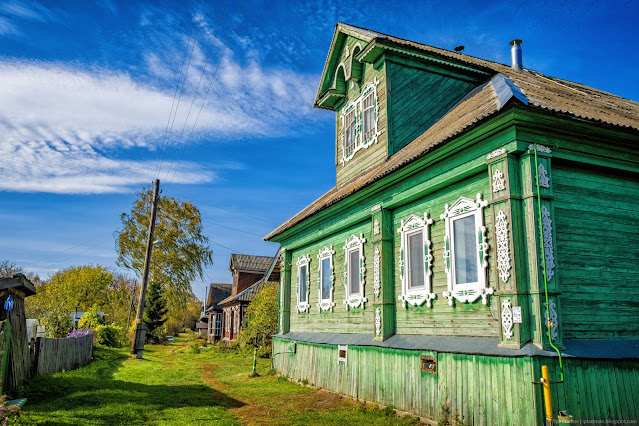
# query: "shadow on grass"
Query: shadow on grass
{"points": [[92, 395]]}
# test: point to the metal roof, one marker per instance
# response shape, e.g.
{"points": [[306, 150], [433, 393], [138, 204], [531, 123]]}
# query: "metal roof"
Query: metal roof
{"points": [[249, 263]]}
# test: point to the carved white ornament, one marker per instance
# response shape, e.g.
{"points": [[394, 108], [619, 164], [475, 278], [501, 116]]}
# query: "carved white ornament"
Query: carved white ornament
{"points": [[467, 292], [360, 143], [378, 321], [376, 272], [326, 304], [551, 321], [355, 300], [499, 184], [503, 246], [416, 295], [547, 247], [544, 182], [507, 319], [540, 148], [303, 262], [496, 153], [376, 227]]}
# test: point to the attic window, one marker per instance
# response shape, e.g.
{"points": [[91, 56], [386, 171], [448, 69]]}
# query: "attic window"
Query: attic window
{"points": [[359, 122]]}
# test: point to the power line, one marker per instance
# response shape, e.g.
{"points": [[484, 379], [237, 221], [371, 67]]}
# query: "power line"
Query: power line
{"points": [[181, 81], [207, 91], [208, 56]]}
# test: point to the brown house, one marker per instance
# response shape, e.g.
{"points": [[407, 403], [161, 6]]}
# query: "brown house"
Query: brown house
{"points": [[248, 275], [213, 312]]}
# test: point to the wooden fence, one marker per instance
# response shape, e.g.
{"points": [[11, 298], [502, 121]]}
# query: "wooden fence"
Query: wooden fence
{"points": [[53, 355]]}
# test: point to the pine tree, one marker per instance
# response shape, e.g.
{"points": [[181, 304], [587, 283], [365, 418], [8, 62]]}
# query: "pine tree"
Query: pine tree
{"points": [[155, 312]]}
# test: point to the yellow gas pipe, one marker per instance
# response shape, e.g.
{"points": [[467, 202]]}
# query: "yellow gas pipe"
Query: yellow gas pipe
{"points": [[545, 380]]}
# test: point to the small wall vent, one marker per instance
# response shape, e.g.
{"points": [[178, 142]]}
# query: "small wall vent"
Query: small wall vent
{"points": [[429, 364], [342, 354]]}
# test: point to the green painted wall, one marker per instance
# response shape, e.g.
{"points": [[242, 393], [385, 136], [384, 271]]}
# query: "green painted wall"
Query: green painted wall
{"points": [[463, 319], [340, 320], [485, 390], [417, 99], [597, 225]]}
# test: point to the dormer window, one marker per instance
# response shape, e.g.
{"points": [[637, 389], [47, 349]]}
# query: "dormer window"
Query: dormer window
{"points": [[359, 122], [350, 134]]}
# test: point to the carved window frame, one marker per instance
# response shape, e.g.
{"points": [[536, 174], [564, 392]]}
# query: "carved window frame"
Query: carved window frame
{"points": [[466, 292], [326, 252], [355, 300], [416, 296], [356, 107], [303, 262]]}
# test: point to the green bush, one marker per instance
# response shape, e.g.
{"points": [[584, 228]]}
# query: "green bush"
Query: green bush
{"points": [[58, 323], [261, 317], [109, 335], [91, 319]]}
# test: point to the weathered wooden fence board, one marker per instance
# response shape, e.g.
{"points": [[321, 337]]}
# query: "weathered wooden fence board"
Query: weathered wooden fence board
{"points": [[55, 355]]}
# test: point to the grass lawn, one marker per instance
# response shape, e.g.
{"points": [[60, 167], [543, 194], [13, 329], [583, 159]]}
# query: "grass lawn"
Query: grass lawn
{"points": [[173, 385]]}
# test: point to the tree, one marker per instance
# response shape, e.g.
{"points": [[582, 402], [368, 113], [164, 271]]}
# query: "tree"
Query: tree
{"points": [[58, 322], [155, 312], [178, 260], [261, 317], [8, 269]]}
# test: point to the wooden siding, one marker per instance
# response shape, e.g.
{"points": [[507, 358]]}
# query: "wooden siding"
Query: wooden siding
{"points": [[597, 230], [463, 319], [340, 320], [417, 99], [472, 386], [365, 158], [485, 390]]}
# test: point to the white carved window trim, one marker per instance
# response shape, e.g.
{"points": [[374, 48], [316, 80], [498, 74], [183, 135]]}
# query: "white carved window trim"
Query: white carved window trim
{"points": [[303, 262], [236, 319], [326, 304], [416, 296], [467, 292], [356, 106], [503, 246], [355, 300]]}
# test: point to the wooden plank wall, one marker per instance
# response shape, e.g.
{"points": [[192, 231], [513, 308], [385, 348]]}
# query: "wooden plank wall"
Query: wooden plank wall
{"points": [[597, 225], [463, 319], [19, 353], [417, 100], [340, 320], [485, 390], [55, 355], [593, 389]]}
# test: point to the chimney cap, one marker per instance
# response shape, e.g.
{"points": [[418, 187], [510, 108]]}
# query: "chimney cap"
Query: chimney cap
{"points": [[516, 42]]}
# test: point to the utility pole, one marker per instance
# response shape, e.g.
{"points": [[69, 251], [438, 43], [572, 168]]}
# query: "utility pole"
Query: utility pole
{"points": [[137, 346]]}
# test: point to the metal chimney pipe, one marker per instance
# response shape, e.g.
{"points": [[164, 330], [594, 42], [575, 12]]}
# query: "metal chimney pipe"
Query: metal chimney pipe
{"points": [[516, 56]]}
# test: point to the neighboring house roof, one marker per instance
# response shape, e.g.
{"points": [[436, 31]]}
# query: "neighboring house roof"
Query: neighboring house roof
{"points": [[19, 282], [217, 293], [245, 296], [248, 263], [524, 87]]}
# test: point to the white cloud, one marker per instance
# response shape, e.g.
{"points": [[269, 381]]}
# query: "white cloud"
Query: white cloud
{"points": [[66, 129]]}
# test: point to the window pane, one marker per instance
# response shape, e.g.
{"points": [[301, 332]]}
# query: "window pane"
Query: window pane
{"points": [[353, 271], [465, 259], [326, 278], [415, 260], [367, 117], [303, 278], [349, 133]]}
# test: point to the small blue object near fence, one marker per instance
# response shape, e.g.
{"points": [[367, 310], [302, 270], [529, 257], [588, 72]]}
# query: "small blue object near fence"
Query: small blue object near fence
{"points": [[8, 304]]}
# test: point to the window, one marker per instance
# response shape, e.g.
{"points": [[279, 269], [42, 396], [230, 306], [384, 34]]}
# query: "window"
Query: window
{"points": [[359, 122], [349, 131], [354, 272], [218, 325], [466, 251], [303, 283], [415, 261], [326, 279], [342, 354]]}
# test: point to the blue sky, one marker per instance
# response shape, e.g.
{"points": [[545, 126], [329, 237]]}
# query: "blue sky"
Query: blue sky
{"points": [[86, 90]]}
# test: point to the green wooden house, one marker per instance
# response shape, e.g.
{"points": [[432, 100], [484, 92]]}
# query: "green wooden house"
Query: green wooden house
{"points": [[484, 222]]}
